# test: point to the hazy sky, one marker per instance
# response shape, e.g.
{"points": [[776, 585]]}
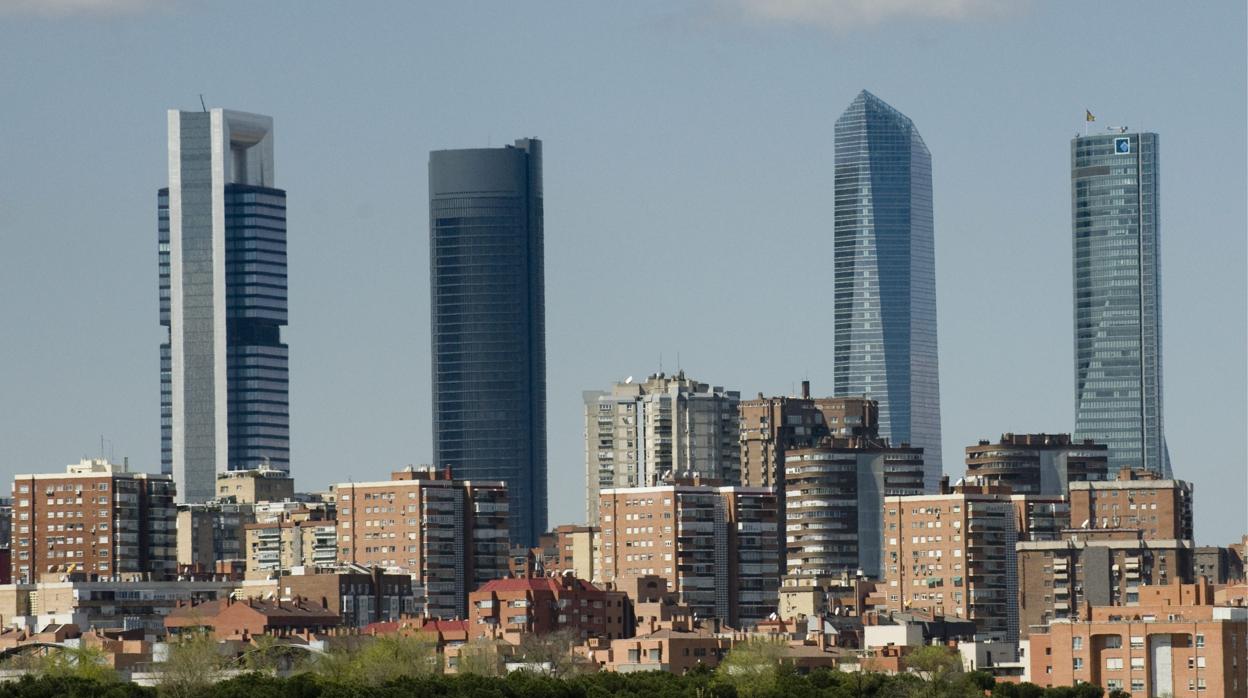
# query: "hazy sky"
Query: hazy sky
{"points": [[688, 179]]}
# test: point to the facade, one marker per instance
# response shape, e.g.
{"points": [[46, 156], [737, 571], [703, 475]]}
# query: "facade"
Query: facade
{"points": [[1220, 565], [212, 532], [102, 604], [639, 434], [222, 250], [97, 518], [264, 484], [884, 302], [247, 618], [487, 288], [300, 539], [450, 534], [1135, 499], [952, 555], [358, 597], [6, 522], [834, 503], [1116, 242], [1042, 464], [771, 426], [1175, 642], [716, 545], [1059, 579], [577, 548], [512, 608]]}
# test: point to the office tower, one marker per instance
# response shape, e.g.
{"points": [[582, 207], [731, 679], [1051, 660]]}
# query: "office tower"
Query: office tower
{"points": [[640, 434], [222, 249], [1035, 463], [716, 546], [487, 290], [452, 534], [96, 518], [1117, 280], [834, 503], [884, 300], [1134, 499]]}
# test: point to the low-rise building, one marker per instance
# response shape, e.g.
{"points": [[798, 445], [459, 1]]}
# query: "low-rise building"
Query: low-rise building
{"points": [[102, 604], [511, 608], [1174, 642], [230, 619]]}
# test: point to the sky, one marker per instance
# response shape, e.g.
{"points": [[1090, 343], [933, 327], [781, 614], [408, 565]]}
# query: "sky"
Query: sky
{"points": [[688, 180]]}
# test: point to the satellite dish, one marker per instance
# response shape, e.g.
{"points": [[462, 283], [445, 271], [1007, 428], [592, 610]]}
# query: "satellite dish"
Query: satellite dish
{"points": [[628, 380]]}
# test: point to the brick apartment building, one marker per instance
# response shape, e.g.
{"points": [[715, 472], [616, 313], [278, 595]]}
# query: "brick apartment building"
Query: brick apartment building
{"points": [[301, 539], [834, 499], [451, 534], [1174, 642], [358, 596], [1097, 567], [716, 545], [238, 619], [511, 608], [1042, 464], [209, 532], [97, 518], [952, 554], [1140, 499]]}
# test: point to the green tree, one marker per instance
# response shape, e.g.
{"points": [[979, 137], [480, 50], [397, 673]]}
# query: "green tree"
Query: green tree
{"points": [[481, 657], [752, 666], [382, 659], [194, 662]]}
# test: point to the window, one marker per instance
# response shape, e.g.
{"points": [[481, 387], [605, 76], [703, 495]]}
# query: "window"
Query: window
{"points": [[1076, 642], [1137, 642], [1112, 663], [1137, 662], [1078, 663], [1200, 640], [1113, 642]]}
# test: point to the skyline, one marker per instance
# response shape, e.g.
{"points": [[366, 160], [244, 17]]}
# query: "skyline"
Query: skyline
{"points": [[100, 382]]}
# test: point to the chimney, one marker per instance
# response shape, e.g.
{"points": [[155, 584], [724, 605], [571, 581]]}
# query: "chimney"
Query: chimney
{"points": [[806, 390]]}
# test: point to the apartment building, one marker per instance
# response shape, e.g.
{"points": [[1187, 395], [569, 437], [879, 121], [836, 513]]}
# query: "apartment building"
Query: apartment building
{"points": [[263, 484], [1159, 508], [302, 538], [1042, 464], [359, 596], [716, 545], [1174, 642], [952, 554], [639, 434], [98, 518], [512, 608], [451, 534], [211, 532], [772, 426], [1221, 565], [833, 503], [1093, 567], [576, 549]]}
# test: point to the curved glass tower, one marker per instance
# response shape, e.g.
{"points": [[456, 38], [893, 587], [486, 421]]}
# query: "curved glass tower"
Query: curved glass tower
{"points": [[1117, 282], [222, 255], [884, 303], [488, 323]]}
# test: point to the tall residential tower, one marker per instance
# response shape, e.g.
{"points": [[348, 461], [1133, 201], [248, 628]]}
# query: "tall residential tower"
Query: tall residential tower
{"points": [[487, 290], [1117, 273], [884, 302], [222, 251]]}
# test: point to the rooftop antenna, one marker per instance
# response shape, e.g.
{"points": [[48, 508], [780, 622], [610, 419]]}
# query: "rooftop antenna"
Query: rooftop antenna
{"points": [[201, 102]]}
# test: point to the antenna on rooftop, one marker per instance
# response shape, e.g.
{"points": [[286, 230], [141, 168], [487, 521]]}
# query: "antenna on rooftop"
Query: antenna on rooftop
{"points": [[201, 102]]}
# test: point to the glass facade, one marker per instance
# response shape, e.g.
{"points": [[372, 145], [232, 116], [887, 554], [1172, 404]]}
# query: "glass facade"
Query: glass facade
{"points": [[884, 303], [223, 297], [488, 327], [1117, 297]]}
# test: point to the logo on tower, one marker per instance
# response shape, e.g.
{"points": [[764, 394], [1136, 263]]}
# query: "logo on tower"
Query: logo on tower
{"points": [[1122, 146]]}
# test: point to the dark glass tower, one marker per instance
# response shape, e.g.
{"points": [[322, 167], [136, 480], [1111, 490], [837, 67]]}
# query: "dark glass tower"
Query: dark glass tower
{"points": [[489, 338], [1117, 281], [222, 250], [884, 304]]}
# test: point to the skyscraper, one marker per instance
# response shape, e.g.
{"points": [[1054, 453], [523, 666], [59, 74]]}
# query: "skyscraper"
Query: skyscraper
{"points": [[222, 250], [1117, 278], [884, 303], [487, 291]]}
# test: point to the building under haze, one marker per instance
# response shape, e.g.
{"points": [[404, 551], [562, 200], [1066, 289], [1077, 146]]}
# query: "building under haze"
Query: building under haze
{"points": [[884, 299], [488, 323], [224, 376], [1117, 276]]}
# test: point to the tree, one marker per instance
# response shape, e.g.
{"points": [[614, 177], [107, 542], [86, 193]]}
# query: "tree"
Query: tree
{"points": [[553, 653], [382, 658], [192, 665], [481, 657], [752, 666]]}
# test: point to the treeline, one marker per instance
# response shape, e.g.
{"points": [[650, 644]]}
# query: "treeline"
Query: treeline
{"points": [[696, 684]]}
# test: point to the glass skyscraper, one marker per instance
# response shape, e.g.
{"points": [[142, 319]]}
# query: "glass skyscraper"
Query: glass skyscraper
{"points": [[1117, 281], [224, 377], [884, 303], [487, 291]]}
